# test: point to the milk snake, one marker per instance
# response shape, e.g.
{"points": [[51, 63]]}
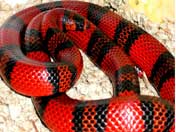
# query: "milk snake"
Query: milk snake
{"points": [[31, 37]]}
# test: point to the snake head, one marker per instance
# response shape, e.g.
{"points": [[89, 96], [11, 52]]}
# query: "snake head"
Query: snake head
{"points": [[74, 22]]}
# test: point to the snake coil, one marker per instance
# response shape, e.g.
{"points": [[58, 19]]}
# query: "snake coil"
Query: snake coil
{"points": [[31, 37]]}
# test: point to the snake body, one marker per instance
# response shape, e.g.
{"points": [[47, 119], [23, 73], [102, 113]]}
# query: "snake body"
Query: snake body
{"points": [[31, 37]]}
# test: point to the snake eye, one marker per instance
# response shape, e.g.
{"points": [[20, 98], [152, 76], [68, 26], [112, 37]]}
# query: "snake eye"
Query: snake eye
{"points": [[70, 25]]}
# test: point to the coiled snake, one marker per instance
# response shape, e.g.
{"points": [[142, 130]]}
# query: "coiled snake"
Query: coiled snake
{"points": [[31, 37]]}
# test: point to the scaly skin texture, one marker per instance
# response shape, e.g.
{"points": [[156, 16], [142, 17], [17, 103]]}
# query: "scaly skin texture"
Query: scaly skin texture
{"points": [[114, 44]]}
